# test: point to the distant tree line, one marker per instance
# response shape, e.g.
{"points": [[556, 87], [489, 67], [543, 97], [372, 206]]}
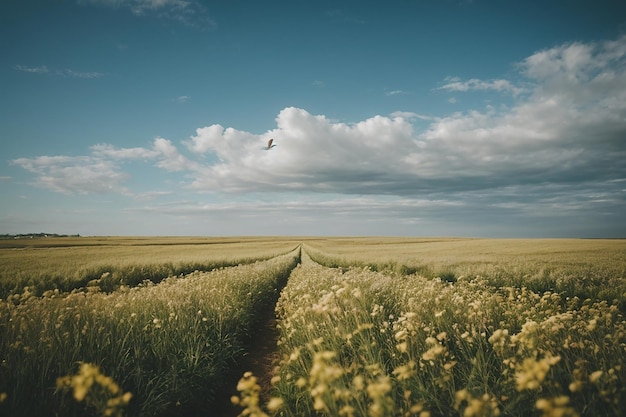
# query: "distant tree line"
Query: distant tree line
{"points": [[34, 235]]}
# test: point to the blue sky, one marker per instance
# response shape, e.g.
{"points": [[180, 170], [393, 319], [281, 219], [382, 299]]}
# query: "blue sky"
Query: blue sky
{"points": [[448, 118]]}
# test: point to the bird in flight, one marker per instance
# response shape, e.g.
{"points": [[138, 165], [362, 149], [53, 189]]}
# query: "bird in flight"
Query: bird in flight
{"points": [[270, 144]]}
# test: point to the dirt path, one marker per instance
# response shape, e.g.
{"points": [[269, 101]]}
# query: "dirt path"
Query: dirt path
{"points": [[263, 353], [260, 360]]}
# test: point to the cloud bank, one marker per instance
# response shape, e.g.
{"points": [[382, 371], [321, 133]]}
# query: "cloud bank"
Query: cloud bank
{"points": [[560, 145], [569, 127]]}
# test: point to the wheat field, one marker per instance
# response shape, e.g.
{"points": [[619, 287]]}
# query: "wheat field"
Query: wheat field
{"points": [[365, 327]]}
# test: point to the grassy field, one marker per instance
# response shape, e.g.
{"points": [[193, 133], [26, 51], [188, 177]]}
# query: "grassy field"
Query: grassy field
{"points": [[367, 327], [69, 263], [356, 342], [168, 343], [577, 267]]}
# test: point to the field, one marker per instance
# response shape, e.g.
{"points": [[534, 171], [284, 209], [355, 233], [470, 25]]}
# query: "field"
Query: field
{"points": [[357, 327], [69, 263]]}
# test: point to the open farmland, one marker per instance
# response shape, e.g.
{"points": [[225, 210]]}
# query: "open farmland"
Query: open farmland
{"points": [[367, 327], [68, 263], [576, 267], [166, 343]]}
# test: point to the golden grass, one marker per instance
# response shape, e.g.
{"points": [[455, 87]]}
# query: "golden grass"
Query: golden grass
{"points": [[69, 263], [356, 342], [578, 267], [166, 343], [462, 252], [379, 327]]}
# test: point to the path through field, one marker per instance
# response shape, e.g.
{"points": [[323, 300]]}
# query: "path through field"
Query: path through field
{"points": [[262, 353]]}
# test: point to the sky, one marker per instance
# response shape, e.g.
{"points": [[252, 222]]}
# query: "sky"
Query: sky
{"points": [[401, 118]]}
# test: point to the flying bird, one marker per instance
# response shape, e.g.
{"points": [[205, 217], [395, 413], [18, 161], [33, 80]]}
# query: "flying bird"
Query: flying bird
{"points": [[270, 144]]}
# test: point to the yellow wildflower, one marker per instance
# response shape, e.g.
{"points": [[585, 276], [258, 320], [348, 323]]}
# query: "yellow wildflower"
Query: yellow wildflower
{"points": [[274, 404], [555, 407], [593, 378], [405, 371], [532, 372]]}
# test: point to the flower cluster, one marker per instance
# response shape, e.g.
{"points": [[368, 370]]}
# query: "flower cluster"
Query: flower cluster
{"points": [[97, 390]]}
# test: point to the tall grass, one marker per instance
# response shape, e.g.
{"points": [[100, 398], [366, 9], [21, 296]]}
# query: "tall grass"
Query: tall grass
{"points": [[358, 342], [395, 327], [168, 343], [584, 268], [68, 263]]}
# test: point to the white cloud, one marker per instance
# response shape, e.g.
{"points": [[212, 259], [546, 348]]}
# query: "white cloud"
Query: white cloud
{"points": [[78, 74], [152, 194], [183, 99], [140, 6], [580, 75], [312, 153], [110, 151], [545, 136], [574, 61], [63, 73], [344, 204], [282, 213], [101, 172], [395, 93], [474, 84], [36, 70], [409, 115], [170, 158], [80, 174]]}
